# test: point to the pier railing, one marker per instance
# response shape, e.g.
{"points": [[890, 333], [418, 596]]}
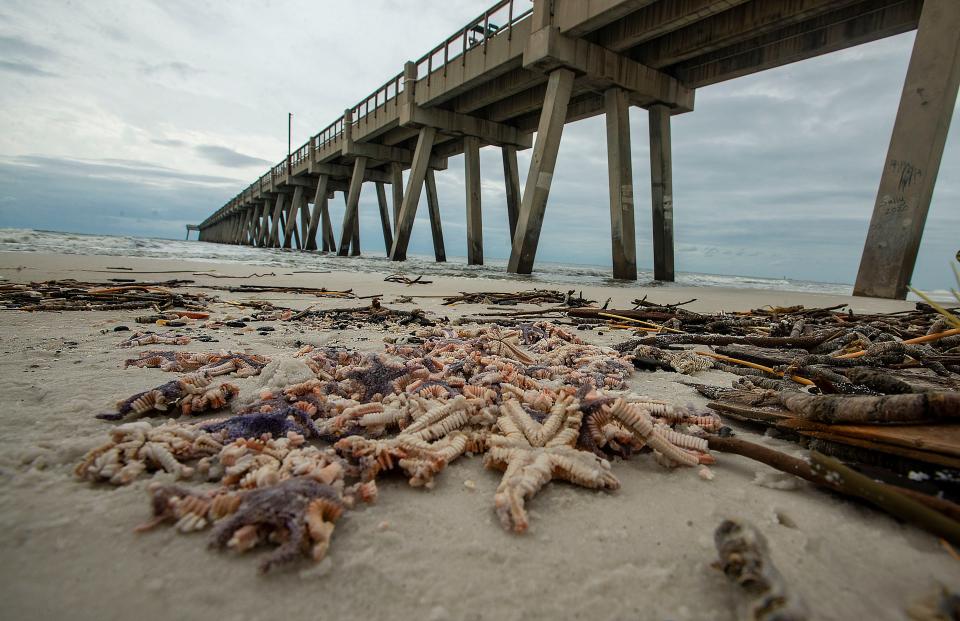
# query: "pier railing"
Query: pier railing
{"points": [[378, 98], [498, 20]]}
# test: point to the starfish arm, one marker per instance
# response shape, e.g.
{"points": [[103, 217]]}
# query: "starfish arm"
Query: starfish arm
{"points": [[583, 468], [522, 421], [437, 413]]}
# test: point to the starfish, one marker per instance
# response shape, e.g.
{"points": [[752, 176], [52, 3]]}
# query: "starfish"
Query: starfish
{"points": [[276, 422], [530, 333], [671, 448], [190, 394], [153, 359], [419, 460], [377, 376], [426, 446], [531, 454], [686, 362], [261, 462], [138, 339], [190, 511], [138, 446], [241, 365], [300, 512]]}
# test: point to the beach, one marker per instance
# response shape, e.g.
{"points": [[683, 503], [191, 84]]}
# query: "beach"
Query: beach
{"points": [[643, 551]]}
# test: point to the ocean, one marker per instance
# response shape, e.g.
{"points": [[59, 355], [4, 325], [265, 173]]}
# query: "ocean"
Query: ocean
{"points": [[546, 273]]}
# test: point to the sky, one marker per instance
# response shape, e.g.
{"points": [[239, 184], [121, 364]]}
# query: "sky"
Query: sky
{"points": [[136, 117]]}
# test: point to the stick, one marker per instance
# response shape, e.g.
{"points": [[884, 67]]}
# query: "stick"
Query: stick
{"points": [[656, 326], [753, 365], [920, 339], [945, 521]]}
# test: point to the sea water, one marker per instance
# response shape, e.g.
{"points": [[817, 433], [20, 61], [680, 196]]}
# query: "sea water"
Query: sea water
{"points": [[546, 273]]}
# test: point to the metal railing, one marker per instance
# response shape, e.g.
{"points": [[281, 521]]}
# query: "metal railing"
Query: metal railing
{"points": [[328, 135], [301, 154], [381, 96], [498, 20]]}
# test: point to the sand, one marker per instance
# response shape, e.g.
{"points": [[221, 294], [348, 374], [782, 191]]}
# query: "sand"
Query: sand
{"points": [[644, 552]]}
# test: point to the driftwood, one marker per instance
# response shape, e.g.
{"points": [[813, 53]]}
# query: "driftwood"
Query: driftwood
{"points": [[570, 299], [315, 291], [668, 340], [72, 295], [599, 313], [405, 280], [933, 514], [885, 409], [745, 559]]}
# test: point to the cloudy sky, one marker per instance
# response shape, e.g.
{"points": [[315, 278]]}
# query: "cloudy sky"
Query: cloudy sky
{"points": [[137, 117]]}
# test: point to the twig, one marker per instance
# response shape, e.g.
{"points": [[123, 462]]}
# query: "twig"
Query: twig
{"points": [[920, 339], [753, 365], [945, 520]]}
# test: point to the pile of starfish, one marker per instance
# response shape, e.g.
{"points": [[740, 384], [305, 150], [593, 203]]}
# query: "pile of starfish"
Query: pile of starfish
{"points": [[534, 400]]}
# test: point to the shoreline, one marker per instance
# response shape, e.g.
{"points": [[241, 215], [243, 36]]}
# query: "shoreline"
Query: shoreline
{"points": [[43, 266]]}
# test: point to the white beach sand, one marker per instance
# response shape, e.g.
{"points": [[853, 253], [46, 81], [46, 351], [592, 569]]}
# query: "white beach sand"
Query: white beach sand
{"points": [[643, 552]]}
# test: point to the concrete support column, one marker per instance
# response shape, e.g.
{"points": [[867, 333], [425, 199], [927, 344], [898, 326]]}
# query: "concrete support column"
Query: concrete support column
{"points": [[232, 229], [411, 198], [294, 209], [351, 220], [661, 180], [258, 222], [296, 232], [511, 177], [396, 185], [243, 232], [326, 227], [238, 227], [274, 241], [433, 209], [542, 163], [319, 206], [620, 175], [240, 232], [913, 159], [304, 221], [265, 223], [384, 216], [253, 214], [471, 159]]}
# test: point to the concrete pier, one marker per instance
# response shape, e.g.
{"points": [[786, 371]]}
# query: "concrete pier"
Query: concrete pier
{"points": [[471, 159], [913, 160], [661, 185], [522, 67], [620, 172]]}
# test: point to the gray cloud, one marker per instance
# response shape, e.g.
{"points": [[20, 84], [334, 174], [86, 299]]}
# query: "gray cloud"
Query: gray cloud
{"points": [[24, 57], [24, 68], [21, 48], [180, 69], [116, 169], [85, 204], [229, 158], [169, 142]]}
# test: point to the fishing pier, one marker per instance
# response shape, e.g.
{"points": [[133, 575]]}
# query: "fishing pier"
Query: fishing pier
{"points": [[515, 75]]}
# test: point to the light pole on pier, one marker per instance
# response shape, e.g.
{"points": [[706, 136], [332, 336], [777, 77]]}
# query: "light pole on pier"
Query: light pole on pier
{"points": [[289, 136]]}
